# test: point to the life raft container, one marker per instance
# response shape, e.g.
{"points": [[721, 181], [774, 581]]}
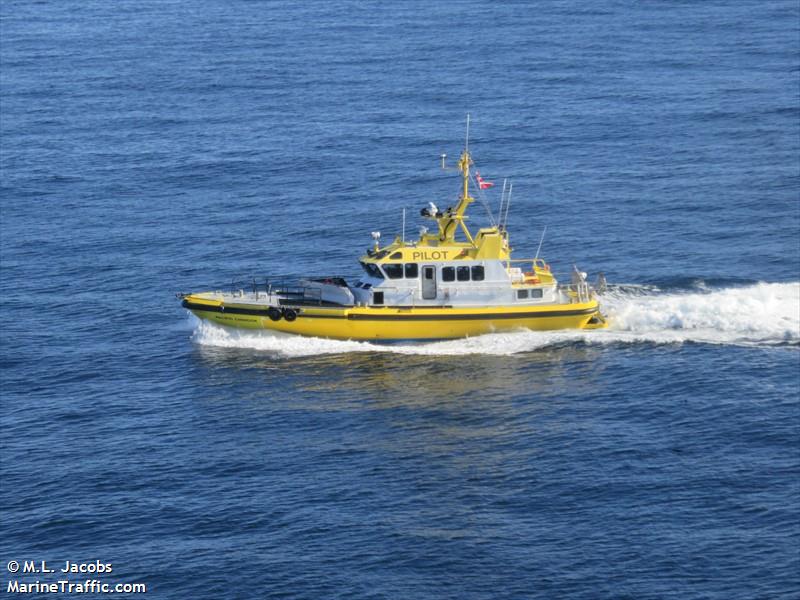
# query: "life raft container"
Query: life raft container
{"points": [[530, 277]]}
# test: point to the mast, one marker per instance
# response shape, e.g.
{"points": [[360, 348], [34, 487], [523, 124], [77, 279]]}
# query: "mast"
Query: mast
{"points": [[454, 217], [464, 163]]}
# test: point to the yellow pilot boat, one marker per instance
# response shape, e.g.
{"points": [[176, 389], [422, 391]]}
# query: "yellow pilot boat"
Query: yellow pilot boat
{"points": [[436, 287]]}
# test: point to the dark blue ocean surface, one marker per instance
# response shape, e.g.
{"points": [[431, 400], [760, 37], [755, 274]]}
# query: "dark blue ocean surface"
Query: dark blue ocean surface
{"points": [[149, 148]]}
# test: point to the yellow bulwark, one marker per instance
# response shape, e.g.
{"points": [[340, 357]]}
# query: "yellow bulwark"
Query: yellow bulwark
{"points": [[442, 315]]}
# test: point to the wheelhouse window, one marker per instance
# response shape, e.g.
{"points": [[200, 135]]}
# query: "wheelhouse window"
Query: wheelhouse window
{"points": [[393, 271], [522, 294], [536, 293], [372, 270], [448, 274], [462, 273], [477, 273], [412, 271]]}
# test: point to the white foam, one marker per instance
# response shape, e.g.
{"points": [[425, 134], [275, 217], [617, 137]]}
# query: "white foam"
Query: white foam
{"points": [[765, 314]]}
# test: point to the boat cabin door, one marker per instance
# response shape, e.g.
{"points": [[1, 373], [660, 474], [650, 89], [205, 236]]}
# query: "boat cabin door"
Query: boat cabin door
{"points": [[428, 282]]}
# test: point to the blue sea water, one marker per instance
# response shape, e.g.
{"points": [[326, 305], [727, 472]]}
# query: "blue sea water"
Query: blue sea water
{"points": [[151, 148]]}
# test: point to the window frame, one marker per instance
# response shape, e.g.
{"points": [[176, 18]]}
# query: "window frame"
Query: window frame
{"points": [[393, 270], [372, 270]]}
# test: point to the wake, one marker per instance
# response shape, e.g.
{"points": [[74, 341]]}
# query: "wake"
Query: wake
{"points": [[762, 315]]}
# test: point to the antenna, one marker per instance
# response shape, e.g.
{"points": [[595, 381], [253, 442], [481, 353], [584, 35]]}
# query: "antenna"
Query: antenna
{"points": [[508, 203], [404, 225], [540, 242], [502, 198], [443, 157], [466, 141]]}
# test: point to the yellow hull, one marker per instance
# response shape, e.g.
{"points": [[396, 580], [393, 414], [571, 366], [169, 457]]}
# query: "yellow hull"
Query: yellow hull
{"points": [[394, 324]]}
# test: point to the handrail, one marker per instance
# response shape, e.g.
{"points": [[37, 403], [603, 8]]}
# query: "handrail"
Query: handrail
{"points": [[288, 290], [578, 292], [281, 289], [540, 262]]}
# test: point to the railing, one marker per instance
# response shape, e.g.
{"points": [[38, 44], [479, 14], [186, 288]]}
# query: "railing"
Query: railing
{"points": [[578, 292], [279, 288], [536, 262], [282, 291]]}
